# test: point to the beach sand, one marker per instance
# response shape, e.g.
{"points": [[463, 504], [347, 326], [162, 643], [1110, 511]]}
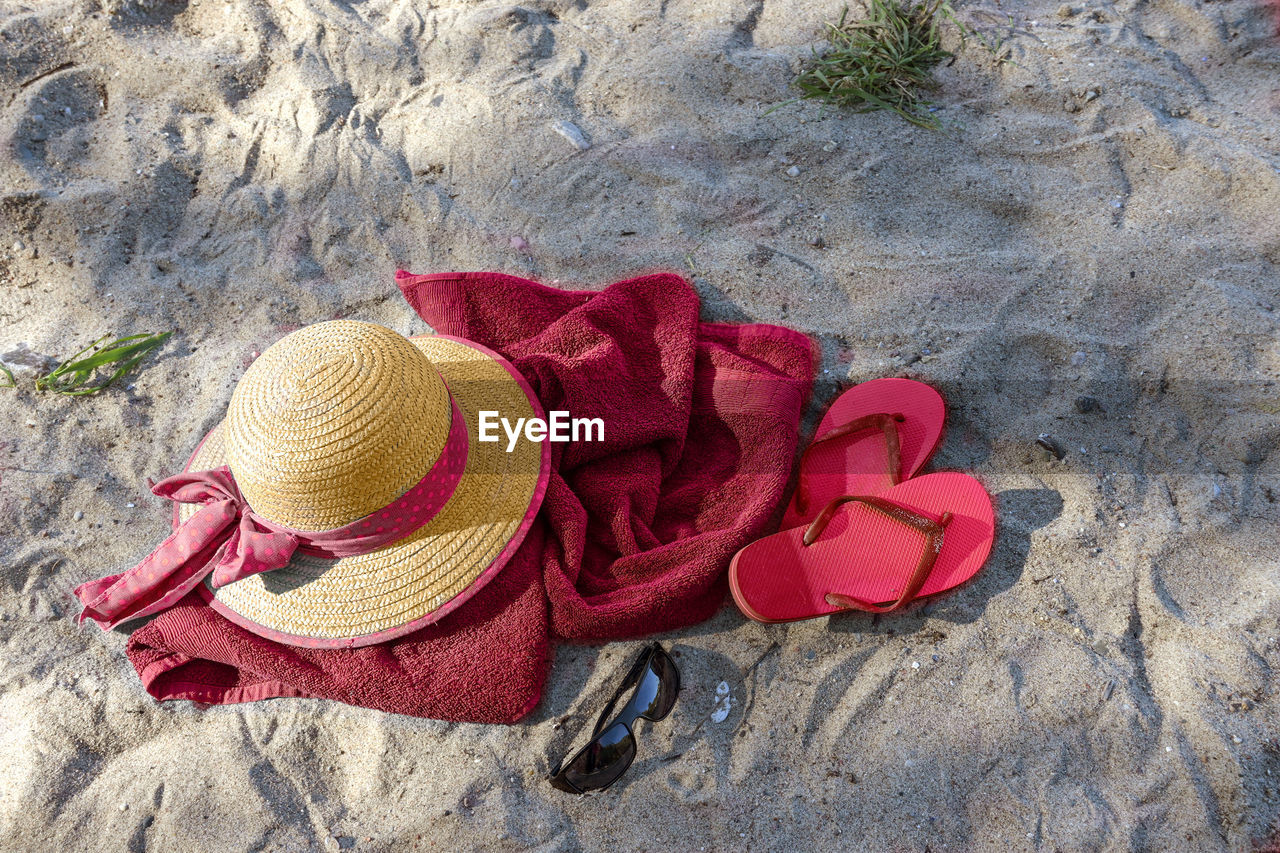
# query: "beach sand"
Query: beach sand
{"points": [[1089, 248]]}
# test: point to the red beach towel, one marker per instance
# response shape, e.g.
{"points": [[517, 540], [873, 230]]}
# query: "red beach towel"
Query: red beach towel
{"points": [[701, 423]]}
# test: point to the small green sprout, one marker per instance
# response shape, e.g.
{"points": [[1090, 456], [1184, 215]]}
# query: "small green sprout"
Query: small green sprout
{"points": [[74, 376]]}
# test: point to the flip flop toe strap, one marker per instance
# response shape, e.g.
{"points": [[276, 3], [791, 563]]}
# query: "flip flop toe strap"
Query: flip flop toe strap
{"points": [[886, 423], [933, 532]]}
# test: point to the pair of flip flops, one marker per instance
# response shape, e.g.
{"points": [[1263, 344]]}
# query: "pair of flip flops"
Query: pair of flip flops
{"points": [[862, 532]]}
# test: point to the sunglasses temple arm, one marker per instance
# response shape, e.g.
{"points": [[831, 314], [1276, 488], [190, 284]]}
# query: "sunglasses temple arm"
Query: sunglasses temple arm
{"points": [[606, 714], [633, 677]]}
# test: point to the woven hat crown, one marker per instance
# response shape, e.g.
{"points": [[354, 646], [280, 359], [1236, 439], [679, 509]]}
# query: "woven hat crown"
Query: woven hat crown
{"points": [[334, 421]]}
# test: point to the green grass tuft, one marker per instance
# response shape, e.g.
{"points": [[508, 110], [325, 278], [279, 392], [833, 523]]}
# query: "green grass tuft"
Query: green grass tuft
{"points": [[12, 383], [880, 62], [75, 375]]}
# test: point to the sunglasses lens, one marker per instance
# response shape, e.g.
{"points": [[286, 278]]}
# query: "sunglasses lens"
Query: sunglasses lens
{"points": [[659, 686], [603, 761]]}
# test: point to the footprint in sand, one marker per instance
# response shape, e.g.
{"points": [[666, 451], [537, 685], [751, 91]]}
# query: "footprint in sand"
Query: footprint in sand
{"points": [[53, 131]]}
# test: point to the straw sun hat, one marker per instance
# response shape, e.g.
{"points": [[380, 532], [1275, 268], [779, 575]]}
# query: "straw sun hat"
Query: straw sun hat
{"points": [[343, 430]]}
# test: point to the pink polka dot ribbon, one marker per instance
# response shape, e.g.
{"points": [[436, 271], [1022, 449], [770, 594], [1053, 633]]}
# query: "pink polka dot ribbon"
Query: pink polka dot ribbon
{"points": [[228, 540]]}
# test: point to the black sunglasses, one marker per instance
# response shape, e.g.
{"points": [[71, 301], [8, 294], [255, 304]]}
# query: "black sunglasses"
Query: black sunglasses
{"points": [[656, 683]]}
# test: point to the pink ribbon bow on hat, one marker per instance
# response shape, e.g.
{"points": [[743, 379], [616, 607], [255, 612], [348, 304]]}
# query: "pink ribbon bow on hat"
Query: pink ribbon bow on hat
{"points": [[224, 538], [227, 539]]}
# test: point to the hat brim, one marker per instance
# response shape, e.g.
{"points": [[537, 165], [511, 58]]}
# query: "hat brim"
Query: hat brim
{"points": [[420, 579]]}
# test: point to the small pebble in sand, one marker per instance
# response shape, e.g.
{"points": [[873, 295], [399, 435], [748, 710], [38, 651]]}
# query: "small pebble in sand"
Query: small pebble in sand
{"points": [[131, 505], [1078, 358], [18, 246], [570, 131], [124, 807], [32, 422], [1087, 404], [915, 664], [794, 171], [1235, 739], [1050, 444], [79, 516], [724, 703], [831, 146], [519, 243]]}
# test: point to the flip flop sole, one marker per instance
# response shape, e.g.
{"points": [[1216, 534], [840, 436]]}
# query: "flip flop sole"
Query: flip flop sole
{"points": [[859, 465], [864, 554]]}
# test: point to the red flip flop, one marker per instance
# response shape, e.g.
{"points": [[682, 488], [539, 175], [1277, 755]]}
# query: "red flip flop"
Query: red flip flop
{"points": [[873, 553], [874, 436]]}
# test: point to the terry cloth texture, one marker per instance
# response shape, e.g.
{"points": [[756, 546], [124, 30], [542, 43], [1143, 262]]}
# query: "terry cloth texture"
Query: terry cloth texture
{"points": [[701, 423]]}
